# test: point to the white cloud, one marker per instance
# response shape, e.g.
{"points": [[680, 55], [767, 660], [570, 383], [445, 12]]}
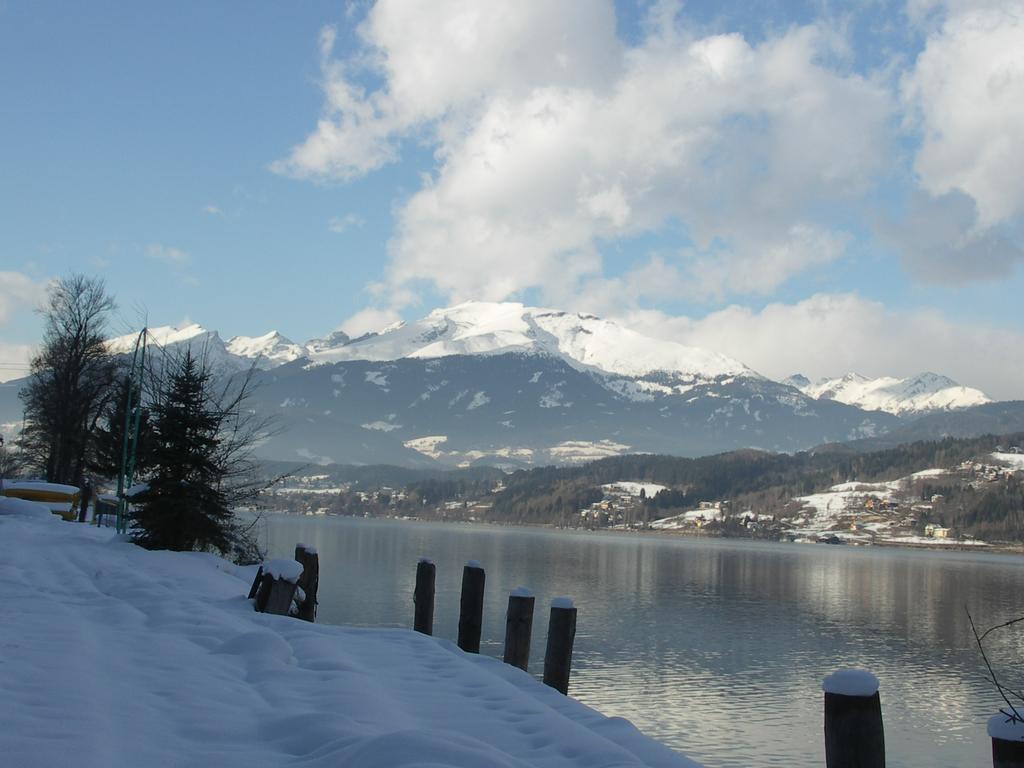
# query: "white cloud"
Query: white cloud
{"points": [[213, 210], [552, 137], [18, 291], [341, 224], [369, 320], [167, 255], [831, 334], [966, 92], [14, 359], [940, 241]]}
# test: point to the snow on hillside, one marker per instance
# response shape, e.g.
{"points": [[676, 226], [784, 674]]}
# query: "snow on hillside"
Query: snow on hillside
{"points": [[271, 349], [584, 341], [1015, 460], [922, 393], [171, 338], [122, 658], [162, 336]]}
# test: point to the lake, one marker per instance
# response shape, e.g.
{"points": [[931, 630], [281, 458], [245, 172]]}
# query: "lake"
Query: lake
{"points": [[715, 647]]}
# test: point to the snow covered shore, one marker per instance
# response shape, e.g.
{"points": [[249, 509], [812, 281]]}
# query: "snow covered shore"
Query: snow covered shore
{"points": [[114, 656]]}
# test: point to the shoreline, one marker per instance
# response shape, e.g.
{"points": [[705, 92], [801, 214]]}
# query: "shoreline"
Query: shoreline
{"points": [[995, 548]]}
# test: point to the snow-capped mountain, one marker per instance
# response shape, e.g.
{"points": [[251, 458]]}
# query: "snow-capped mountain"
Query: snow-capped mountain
{"points": [[912, 396], [269, 350], [508, 384], [635, 365], [514, 385], [170, 338]]}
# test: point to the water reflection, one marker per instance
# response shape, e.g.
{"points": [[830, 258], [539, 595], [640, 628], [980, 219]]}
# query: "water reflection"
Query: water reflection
{"points": [[714, 647]]}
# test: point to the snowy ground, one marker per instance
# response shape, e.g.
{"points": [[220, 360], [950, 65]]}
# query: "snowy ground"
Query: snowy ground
{"points": [[114, 656]]}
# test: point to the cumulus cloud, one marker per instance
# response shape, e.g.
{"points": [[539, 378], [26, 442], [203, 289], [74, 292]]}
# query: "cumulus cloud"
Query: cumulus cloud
{"points": [[552, 137], [941, 242], [965, 96], [831, 334], [967, 92], [18, 291], [14, 360], [368, 321], [167, 255], [340, 224]]}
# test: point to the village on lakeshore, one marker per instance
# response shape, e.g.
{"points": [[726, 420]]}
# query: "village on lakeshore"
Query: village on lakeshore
{"points": [[907, 511]]}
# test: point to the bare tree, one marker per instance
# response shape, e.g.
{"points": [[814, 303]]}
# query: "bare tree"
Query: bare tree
{"points": [[71, 379]]}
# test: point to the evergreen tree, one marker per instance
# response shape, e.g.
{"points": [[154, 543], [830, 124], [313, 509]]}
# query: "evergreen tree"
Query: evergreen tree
{"points": [[186, 506]]}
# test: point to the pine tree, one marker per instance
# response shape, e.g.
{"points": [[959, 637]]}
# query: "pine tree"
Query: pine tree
{"points": [[186, 506]]}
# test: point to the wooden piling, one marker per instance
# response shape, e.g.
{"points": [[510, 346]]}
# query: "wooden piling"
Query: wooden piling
{"points": [[471, 607], [558, 654], [309, 582], [275, 595], [1007, 736], [854, 735], [423, 597], [518, 628], [1007, 754], [256, 583]]}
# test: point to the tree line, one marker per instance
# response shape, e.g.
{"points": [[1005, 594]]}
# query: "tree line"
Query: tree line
{"points": [[193, 447]]}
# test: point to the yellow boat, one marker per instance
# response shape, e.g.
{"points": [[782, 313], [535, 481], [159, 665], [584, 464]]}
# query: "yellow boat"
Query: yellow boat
{"points": [[61, 499]]}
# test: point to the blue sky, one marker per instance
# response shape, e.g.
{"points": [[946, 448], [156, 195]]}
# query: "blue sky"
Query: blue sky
{"points": [[805, 186]]}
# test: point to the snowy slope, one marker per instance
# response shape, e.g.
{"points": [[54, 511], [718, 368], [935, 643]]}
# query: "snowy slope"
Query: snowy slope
{"points": [[584, 341], [122, 658], [914, 395], [171, 339], [164, 336], [270, 350]]}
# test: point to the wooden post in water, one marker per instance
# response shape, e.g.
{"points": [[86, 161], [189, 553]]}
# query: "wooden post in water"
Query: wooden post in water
{"points": [[1007, 737], [854, 736], [277, 586], [256, 583], [423, 597], [309, 582], [561, 634], [471, 607], [518, 628], [275, 595]]}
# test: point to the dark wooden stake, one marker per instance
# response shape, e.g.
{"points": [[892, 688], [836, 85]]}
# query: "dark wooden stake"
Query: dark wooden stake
{"points": [[275, 595], [518, 628], [309, 582], [558, 655], [1007, 754], [471, 608], [256, 583], [854, 736], [423, 598]]}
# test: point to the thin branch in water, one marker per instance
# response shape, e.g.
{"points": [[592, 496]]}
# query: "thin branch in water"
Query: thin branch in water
{"points": [[999, 687]]}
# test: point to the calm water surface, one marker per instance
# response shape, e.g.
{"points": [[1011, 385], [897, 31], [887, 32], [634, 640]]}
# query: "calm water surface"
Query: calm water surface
{"points": [[716, 648]]}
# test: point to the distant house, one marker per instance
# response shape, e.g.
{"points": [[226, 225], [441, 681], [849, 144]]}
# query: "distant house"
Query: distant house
{"points": [[933, 531], [937, 498]]}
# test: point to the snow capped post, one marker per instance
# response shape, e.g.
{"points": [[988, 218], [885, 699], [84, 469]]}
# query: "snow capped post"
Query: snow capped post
{"points": [[1007, 734], [309, 582], [423, 597], [519, 627], [280, 579], [561, 634], [854, 737], [471, 607]]}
